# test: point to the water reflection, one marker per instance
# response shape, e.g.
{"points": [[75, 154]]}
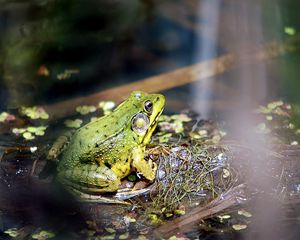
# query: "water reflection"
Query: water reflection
{"points": [[247, 30]]}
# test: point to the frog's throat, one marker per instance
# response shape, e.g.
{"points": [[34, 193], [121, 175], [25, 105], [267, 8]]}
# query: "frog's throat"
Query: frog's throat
{"points": [[151, 128]]}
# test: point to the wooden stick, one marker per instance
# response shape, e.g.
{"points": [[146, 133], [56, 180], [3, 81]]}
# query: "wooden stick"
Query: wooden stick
{"points": [[176, 78]]}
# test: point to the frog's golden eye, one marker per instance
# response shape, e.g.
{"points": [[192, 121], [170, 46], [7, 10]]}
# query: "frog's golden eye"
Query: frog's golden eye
{"points": [[148, 105], [140, 123]]}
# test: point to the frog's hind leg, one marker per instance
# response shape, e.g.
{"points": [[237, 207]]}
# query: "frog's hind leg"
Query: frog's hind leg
{"points": [[90, 178]]}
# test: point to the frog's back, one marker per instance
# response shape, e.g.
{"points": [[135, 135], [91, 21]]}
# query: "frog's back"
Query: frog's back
{"points": [[95, 136]]}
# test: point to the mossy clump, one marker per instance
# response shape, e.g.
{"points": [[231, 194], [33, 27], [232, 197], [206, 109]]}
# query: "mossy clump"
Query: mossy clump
{"points": [[190, 174]]}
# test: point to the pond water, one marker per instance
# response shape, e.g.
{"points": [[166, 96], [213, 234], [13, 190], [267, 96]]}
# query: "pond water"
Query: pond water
{"points": [[218, 59]]}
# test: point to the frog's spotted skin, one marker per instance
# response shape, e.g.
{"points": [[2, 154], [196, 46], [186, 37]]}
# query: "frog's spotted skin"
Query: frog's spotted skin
{"points": [[104, 151]]}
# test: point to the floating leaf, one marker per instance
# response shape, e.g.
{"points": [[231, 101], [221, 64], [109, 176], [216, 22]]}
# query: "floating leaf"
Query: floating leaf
{"points": [[18, 131], [194, 135], [86, 109], [164, 138], [28, 136], [181, 117], [244, 213], [142, 237], [294, 143], [177, 238], [154, 219], [34, 112], [124, 235], [177, 126], [110, 230], [164, 118], [179, 212], [263, 110], [33, 149], [108, 237], [222, 133], [226, 173], [93, 119], [269, 117], [290, 31], [239, 227], [43, 71], [73, 123], [67, 74], [38, 131], [42, 235], [262, 128], [30, 132], [273, 105], [203, 133], [12, 232], [129, 219], [106, 106], [216, 139], [6, 117], [224, 217]]}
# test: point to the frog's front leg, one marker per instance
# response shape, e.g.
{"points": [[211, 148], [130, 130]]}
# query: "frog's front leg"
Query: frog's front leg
{"points": [[146, 168], [90, 178]]}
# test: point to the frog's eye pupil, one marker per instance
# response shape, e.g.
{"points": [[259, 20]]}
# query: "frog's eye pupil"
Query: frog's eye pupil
{"points": [[148, 106]]}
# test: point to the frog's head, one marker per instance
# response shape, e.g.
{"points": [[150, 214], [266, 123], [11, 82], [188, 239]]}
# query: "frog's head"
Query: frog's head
{"points": [[148, 108]]}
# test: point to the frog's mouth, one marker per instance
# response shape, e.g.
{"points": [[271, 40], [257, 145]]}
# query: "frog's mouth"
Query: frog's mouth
{"points": [[151, 128]]}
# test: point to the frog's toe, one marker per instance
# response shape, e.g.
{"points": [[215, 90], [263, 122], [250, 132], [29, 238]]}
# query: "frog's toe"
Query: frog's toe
{"points": [[127, 193], [90, 198]]}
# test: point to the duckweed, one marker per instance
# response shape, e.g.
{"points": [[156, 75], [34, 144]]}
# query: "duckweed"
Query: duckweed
{"points": [[239, 227], [12, 232], [290, 31], [106, 106], [30, 132], [67, 74], [73, 123], [43, 235], [6, 117], [34, 112], [244, 213], [85, 109]]}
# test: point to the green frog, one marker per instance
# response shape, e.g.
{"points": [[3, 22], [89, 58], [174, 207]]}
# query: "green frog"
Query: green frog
{"points": [[108, 149]]}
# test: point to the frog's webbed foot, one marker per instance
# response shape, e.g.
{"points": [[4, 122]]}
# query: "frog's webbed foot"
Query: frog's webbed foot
{"points": [[90, 198], [117, 198], [90, 178], [146, 168], [127, 193]]}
